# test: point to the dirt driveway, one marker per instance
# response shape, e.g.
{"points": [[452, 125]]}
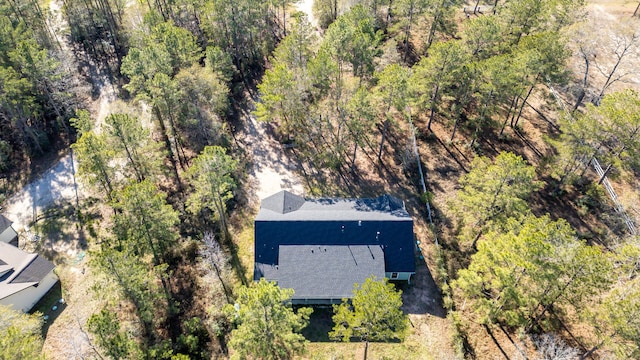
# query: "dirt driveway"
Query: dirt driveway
{"points": [[56, 186]]}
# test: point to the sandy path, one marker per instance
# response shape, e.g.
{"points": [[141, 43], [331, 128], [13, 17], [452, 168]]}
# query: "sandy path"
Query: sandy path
{"points": [[271, 168], [306, 7]]}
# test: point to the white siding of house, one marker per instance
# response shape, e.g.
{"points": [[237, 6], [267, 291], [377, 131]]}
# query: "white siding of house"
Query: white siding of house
{"points": [[402, 276], [8, 235], [25, 300]]}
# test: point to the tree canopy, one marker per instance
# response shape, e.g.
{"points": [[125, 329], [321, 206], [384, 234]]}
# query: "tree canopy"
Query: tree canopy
{"points": [[373, 314], [267, 325], [21, 335], [517, 276], [492, 192]]}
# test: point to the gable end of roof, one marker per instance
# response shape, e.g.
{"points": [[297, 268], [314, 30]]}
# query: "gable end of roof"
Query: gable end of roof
{"points": [[4, 223], [283, 202]]}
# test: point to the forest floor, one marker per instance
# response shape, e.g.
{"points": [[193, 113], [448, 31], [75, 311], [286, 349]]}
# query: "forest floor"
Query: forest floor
{"points": [[44, 210], [446, 161], [48, 198]]}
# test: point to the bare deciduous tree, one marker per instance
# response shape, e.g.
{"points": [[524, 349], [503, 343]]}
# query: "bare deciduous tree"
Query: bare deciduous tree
{"points": [[551, 347], [212, 251], [610, 50], [626, 38]]}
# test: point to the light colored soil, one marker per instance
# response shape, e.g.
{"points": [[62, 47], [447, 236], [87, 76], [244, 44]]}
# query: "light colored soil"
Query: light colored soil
{"points": [[272, 167], [67, 337], [609, 24], [306, 7], [54, 188]]}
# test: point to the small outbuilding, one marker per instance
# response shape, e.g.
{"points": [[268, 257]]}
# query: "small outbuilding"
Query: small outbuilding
{"points": [[321, 247]]}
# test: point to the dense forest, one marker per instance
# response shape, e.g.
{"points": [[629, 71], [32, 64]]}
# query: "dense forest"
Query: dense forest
{"points": [[504, 125]]}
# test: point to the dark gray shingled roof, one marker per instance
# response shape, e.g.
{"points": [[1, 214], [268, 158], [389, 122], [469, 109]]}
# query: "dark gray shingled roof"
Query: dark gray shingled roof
{"points": [[4, 223], [382, 222], [20, 269], [35, 271], [325, 272]]}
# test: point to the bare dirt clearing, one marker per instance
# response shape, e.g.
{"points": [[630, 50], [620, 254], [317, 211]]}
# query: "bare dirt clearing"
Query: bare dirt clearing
{"points": [[272, 169], [53, 188]]}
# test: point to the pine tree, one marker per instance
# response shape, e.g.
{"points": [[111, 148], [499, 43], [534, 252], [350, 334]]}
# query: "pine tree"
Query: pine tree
{"points": [[373, 314], [267, 326]]}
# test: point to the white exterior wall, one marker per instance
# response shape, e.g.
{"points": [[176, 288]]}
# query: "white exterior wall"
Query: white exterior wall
{"points": [[402, 276], [8, 235], [25, 300]]}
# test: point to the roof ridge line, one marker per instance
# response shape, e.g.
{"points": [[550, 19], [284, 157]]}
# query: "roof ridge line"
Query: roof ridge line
{"points": [[29, 259]]}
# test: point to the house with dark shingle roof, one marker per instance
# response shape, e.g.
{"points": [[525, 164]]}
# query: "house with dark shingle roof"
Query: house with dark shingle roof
{"points": [[321, 247], [7, 233], [24, 278]]}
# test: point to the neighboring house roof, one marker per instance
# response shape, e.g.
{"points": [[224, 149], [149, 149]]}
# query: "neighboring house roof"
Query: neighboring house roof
{"points": [[287, 223], [20, 270], [36, 271], [316, 272], [4, 223]]}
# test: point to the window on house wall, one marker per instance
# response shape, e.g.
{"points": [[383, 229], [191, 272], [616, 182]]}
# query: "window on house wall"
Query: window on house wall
{"points": [[394, 276]]}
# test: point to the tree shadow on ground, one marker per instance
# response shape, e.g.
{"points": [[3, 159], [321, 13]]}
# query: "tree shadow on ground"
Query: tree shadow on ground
{"points": [[46, 305], [320, 323], [58, 234], [422, 296]]}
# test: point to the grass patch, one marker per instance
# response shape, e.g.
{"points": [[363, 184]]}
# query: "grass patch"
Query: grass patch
{"points": [[414, 347], [242, 236], [244, 242], [408, 350], [46, 304]]}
